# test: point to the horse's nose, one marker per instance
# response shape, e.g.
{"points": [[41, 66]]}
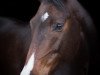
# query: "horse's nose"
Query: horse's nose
{"points": [[34, 46]]}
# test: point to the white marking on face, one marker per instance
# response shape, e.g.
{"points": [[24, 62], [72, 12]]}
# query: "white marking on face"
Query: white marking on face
{"points": [[28, 68], [44, 17]]}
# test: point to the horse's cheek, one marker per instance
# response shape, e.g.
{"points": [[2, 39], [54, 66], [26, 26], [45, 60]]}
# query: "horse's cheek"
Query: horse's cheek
{"points": [[46, 64]]}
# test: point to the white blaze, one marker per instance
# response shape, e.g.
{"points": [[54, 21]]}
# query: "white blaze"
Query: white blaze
{"points": [[29, 66], [45, 16]]}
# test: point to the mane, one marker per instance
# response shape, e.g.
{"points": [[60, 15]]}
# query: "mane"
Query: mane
{"points": [[58, 3]]}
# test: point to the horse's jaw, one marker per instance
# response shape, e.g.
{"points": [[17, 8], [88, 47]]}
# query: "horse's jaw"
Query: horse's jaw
{"points": [[46, 65]]}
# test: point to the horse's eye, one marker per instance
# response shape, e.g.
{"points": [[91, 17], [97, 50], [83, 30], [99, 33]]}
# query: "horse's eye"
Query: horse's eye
{"points": [[57, 27]]}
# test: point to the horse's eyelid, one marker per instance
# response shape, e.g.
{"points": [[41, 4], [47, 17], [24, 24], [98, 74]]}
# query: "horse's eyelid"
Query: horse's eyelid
{"points": [[57, 27]]}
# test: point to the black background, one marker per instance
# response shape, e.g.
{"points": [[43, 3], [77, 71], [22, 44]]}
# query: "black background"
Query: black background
{"points": [[25, 9], [20, 9]]}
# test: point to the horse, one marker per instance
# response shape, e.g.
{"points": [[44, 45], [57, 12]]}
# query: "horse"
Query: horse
{"points": [[57, 41], [15, 38], [63, 35]]}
